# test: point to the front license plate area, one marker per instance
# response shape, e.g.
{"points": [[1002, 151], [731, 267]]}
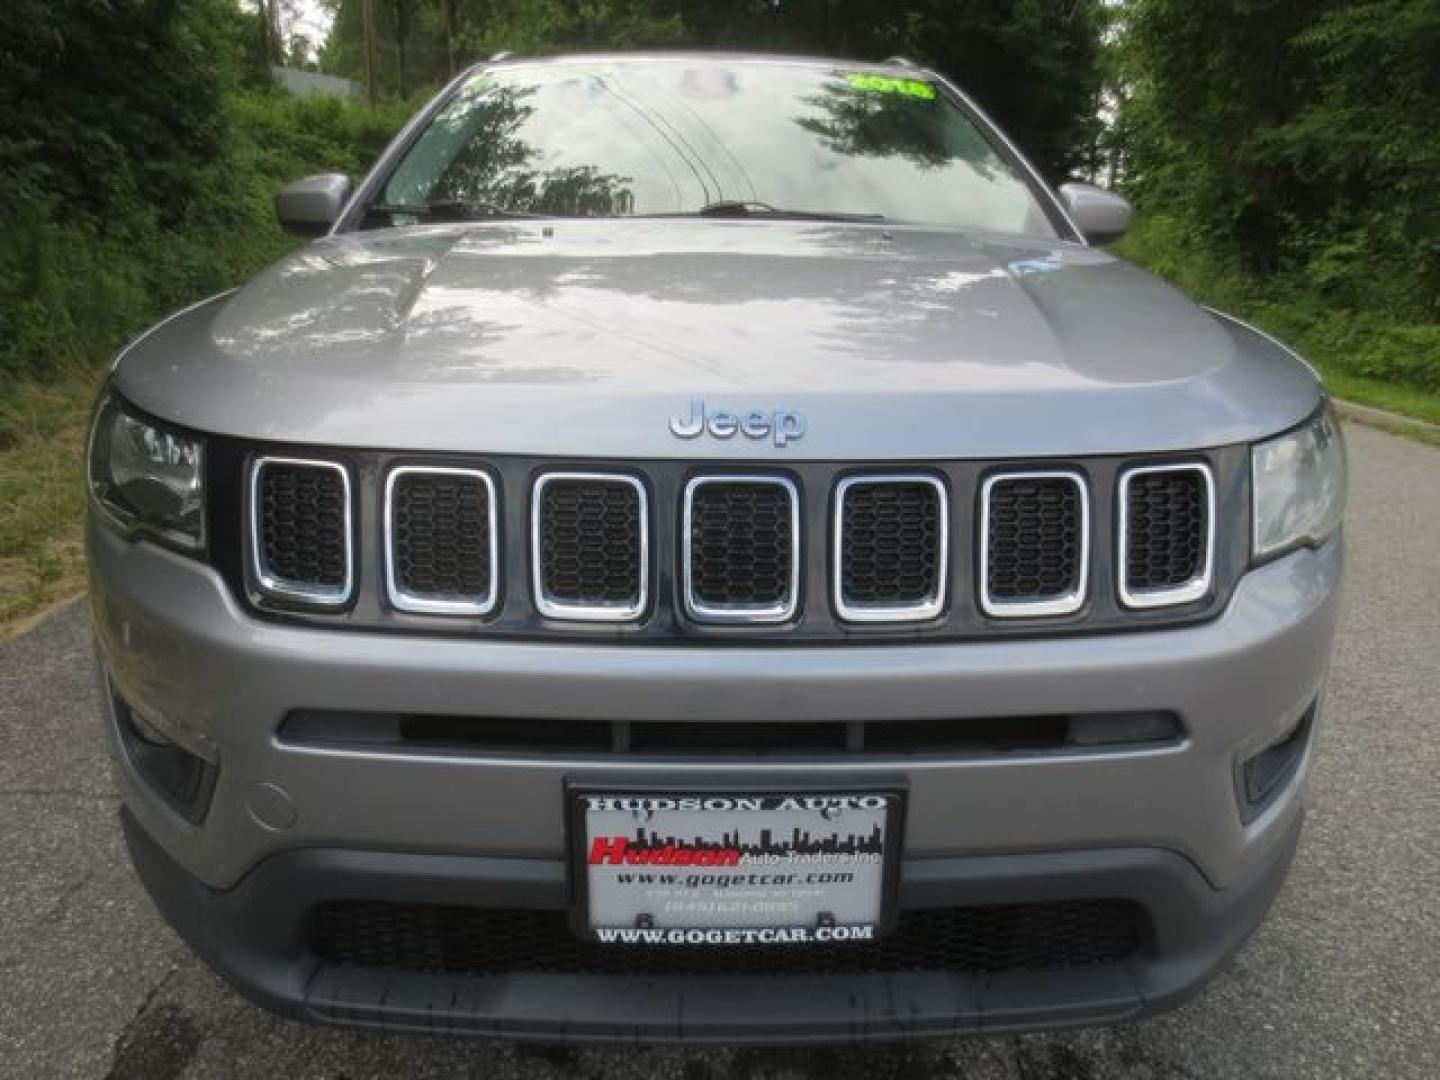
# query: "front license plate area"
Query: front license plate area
{"points": [[745, 868]]}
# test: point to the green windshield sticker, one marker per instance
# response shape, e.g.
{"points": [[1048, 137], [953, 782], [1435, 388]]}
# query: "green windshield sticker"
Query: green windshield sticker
{"points": [[885, 84]]}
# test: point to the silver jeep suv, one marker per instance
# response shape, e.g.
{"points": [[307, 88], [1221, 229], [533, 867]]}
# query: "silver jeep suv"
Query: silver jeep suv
{"points": [[707, 548]]}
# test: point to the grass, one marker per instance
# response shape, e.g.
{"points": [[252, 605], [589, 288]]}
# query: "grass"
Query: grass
{"points": [[1424, 433], [42, 498], [1397, 399]]}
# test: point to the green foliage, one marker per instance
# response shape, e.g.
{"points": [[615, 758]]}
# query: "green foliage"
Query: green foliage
{"points": [[1295, 148], [139, 174], [116, 100], [1363, 352], [74, 285]]}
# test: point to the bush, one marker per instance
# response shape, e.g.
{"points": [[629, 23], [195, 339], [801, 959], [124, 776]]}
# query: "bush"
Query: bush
{"points": [[75, 285], [1361, 338]]}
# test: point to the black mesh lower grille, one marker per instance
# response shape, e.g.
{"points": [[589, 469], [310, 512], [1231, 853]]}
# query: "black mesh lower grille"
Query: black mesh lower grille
{"points": [[741, 544], [1034, 538], [441, 525], [302, 524], [591, 539], [493, 941], [890, 543], [1165, 529]]}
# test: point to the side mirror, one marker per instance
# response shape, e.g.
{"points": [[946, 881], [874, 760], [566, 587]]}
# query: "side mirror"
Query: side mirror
{"points": [[310, 206], [1101, 215]]}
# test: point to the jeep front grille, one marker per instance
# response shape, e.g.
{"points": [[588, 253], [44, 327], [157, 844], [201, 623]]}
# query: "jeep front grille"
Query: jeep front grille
{"points": [[440, 540], [1167, 522], [590, 546], [658, 550], [741, 549], [301, 532], [891, 548], [1035, 544]]}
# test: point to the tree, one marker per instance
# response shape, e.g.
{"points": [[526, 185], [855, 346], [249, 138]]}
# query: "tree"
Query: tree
{"points": [[1293, 138], [403, 12], [367, 22], [122, 100], [452, 35], [272, 45]]}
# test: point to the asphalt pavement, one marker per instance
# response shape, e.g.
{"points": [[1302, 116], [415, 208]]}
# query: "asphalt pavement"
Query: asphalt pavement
{"points": [[1342, 981]]}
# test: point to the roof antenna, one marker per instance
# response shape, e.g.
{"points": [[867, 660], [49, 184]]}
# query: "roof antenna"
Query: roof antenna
{"points": [[902, 61], [504, 54]]}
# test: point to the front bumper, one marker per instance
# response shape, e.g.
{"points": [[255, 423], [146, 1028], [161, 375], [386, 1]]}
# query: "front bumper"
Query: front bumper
{"points": [[255, 934], [290, 825]]}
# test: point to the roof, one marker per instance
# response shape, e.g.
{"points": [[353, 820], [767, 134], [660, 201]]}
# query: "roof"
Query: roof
{"points": [[894, 66]]}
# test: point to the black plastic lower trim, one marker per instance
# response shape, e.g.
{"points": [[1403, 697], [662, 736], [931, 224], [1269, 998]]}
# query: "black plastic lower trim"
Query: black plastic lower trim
{"points": [[257, 934], [185, 781], [1260, 779]]}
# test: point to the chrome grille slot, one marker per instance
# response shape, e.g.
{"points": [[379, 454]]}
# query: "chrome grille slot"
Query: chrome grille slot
{"points": [[590, 537], [301, 532], [741, 549], [441, 540], [1167, 527], [1034, 544], [891, 548]]}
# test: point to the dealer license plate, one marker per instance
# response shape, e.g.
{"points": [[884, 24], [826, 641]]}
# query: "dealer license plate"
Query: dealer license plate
{"points": [[732, 868]]}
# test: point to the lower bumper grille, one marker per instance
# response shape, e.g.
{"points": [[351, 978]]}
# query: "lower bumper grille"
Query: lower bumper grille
{"points": [[959, 737], [495, 941]]}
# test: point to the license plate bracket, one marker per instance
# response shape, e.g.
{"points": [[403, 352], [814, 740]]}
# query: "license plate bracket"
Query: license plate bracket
{"points": [[686, 864]]}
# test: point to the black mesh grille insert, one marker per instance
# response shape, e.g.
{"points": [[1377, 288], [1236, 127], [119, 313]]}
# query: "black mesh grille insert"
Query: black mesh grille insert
{"points": [[741, 539], [591, 534], [493, 941], [441, 524], [1034, 538], [302, 525], [890, 543], [1165, 529]]}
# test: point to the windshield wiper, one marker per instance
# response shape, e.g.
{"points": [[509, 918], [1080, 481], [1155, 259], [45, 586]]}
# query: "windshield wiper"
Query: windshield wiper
{"points": [[737, 208], [451, 210]]}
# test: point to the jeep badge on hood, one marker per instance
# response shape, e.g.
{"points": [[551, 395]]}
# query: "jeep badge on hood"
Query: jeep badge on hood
{"points": [[785, 425]]}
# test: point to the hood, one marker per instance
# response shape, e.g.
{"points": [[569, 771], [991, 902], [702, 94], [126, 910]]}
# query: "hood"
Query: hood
{"points": [[583, 338]]}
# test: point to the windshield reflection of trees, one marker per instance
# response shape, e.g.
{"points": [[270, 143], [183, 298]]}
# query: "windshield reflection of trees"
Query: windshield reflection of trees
{"points": [[496, 166], [863, 123]]}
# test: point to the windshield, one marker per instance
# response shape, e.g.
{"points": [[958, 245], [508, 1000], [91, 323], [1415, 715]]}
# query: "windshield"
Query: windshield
{"points": [[692, 136]]}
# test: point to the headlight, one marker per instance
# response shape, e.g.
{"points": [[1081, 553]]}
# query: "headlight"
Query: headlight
{"points": [[1299, 483], [149, 478]]}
